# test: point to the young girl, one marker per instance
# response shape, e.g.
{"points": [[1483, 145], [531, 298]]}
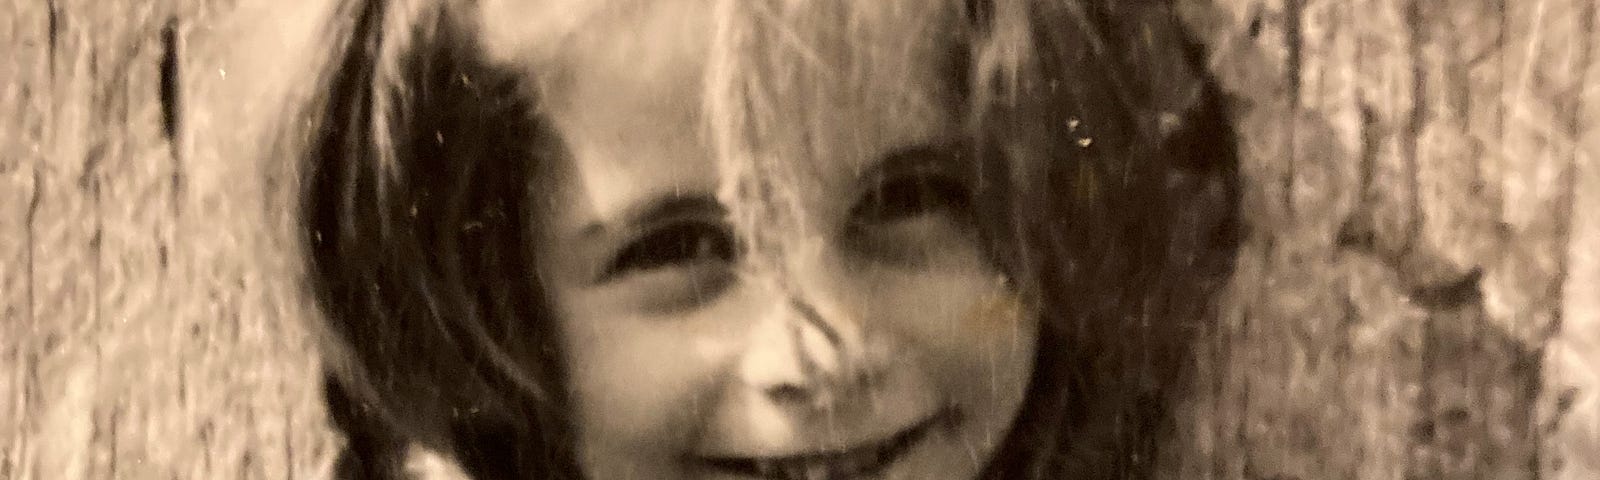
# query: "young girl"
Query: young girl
{"points": [[791, 239]]}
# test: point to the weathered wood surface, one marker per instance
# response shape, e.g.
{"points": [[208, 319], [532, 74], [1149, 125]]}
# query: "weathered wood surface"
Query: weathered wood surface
{"points": [[1419, 296], [151, 319]]}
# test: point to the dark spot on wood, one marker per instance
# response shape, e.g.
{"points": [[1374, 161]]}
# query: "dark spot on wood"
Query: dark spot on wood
{"points": [[1424, 432], [1566, 399], [1415, 21], [172, 106], [1450, 295], [246, 463], [1255, 23], [183, 383], [979, 12], [1369, 148], [91, 164], [288, 445], [1292, 37], [169, 80], [28, 233], [54, 31], [206, 429], [111, 440], [1356, 234]]}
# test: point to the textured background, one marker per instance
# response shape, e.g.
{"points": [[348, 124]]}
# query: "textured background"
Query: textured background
{"points": [[1419, 294]]}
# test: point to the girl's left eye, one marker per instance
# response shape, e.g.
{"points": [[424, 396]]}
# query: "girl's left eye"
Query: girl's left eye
{"points": [[913, 217], [683, 244], [909, 196]]}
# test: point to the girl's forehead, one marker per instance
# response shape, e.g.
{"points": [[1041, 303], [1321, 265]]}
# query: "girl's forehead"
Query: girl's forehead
{"points": [[814, 91], [542, 32], [549, 34]]}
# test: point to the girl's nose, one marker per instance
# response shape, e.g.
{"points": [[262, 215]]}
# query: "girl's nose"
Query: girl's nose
{"points": [[801, 355]]}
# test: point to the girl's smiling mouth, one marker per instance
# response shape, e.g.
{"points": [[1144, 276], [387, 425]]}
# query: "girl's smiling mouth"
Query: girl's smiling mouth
{"points": [[863, 460]]}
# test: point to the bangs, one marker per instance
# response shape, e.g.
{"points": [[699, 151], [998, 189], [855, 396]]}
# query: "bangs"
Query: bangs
{"points": [[780, 72]]}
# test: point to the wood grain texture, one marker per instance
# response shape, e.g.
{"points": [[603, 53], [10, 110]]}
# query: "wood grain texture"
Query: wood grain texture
{"points": [[153, 330], [1418, 297], [1414, 172]]}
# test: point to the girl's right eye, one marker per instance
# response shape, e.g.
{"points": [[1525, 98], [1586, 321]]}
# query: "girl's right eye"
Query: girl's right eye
{"points": [[688, 244]]}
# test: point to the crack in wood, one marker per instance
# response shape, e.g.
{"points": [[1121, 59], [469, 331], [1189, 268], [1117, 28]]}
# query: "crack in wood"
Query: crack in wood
{"points": [[1293, 11], [1254, 29], [169, 81], [1414, 122], [1427, 278], [171, 99], [1457, 294], [53, 30]]}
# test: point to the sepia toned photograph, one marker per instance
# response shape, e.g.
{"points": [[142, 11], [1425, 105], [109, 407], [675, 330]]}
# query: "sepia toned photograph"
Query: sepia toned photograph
{"points": [[800, 239]]}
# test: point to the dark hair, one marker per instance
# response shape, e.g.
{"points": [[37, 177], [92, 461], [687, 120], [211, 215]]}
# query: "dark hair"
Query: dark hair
{"points": [[1110, 194], [415, 209]]}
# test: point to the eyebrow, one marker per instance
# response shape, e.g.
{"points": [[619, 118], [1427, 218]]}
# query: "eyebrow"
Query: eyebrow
{"points": [[654, 210]]}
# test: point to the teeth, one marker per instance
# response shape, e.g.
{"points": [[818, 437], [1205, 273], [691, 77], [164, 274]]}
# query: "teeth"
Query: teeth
{"points": [[848, 464], [862, 460], [793, 469], [804, 469], [798, 470], [767, 468], [814, 470], [822, 468]]}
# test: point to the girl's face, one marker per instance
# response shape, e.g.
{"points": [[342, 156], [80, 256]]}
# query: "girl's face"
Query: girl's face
{"points": [[876, 341]]}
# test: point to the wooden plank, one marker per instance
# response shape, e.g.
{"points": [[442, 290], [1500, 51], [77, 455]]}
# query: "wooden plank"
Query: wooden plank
{"points": [[23, 114], [1410, 182], [246, 65], [164, 305], [1572, 357]]}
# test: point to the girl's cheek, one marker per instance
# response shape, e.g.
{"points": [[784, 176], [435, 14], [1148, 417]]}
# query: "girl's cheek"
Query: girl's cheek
{"points": [[965, 325], [645, 380], [954, 294]]}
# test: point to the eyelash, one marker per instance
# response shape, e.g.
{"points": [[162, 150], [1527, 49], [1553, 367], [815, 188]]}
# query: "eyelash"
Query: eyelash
{"points": [[908, 196], [680, 244]]}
